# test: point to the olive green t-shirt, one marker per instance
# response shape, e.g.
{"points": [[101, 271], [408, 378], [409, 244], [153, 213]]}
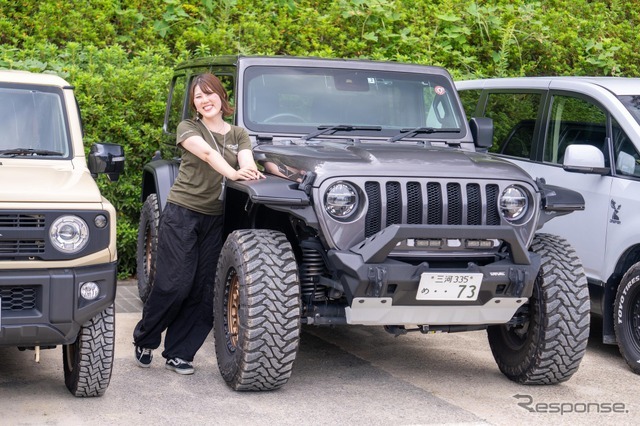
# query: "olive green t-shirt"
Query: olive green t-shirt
{"points": [[198, 185]]}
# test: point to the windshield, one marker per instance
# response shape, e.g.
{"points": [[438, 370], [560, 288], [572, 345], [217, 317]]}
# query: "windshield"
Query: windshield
{"points": [[632, 103], [303, 100], [32, 124]]}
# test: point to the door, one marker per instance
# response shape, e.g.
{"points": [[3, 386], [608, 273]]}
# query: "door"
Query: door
{"points": [[537, 133]]}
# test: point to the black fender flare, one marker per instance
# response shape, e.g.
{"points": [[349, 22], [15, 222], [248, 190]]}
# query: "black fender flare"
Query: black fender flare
{"points": [[158, 177], [278, 194], [558, 201], [272, 191]]}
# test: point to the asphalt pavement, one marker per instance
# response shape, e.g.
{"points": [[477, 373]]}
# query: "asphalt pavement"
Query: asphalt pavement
{"points": [[342, 376]]}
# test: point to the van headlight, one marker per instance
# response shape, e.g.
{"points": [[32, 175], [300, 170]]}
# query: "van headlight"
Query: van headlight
{"points": [[69, 234], [514, 203], [341, 200]]}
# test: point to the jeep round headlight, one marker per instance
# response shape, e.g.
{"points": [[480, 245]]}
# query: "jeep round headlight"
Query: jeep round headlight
{"points": [[514, 203], [341, 200], [69, 234]]}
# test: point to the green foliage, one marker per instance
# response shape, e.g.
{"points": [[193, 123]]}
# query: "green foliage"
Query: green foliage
{"points": [[122, 101], [119, 54], [127, 242]]}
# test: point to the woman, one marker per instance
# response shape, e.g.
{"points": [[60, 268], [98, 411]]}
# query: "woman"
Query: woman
{"points": [[189, 236]]}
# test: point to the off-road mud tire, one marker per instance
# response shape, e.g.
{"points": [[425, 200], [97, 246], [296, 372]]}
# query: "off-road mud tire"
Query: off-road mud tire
{"points": [[549, 346], [147, 245], [627, 317], [257, 310], [88, 361]]}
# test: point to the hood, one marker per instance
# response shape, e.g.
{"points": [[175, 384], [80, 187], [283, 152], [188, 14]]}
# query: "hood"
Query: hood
{"points": [[329, 159], [59, 183]]}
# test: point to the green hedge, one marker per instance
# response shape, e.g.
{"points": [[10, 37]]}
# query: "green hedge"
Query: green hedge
{"points": [[119, 54]]}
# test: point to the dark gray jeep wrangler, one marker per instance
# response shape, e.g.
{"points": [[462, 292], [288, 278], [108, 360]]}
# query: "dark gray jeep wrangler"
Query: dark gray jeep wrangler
{"points": [[380, 208]]}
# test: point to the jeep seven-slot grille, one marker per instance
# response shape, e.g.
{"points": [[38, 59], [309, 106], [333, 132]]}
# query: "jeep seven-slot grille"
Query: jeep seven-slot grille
{"points": [[18, 298], [432, 203]]}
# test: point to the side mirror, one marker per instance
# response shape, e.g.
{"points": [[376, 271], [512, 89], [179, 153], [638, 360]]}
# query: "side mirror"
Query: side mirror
{"points": [[106, 158], [584, 159], [482, 131]]}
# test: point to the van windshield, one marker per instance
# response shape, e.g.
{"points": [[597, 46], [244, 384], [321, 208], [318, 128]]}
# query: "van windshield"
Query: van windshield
{"points": [[32, 123], [378, 103]]}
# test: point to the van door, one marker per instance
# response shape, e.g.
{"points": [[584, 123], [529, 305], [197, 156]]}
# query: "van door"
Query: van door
{"points": [[573, 120], [623, 221], [537, 141]]}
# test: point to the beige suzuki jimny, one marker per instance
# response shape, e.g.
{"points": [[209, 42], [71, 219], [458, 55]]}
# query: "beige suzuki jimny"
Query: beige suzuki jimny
{"points": [[57, 233]]}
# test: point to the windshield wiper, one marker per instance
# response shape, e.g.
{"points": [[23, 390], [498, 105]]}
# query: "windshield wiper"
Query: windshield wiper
{"points": [[416, 130], [343, 127], [27, 151]]}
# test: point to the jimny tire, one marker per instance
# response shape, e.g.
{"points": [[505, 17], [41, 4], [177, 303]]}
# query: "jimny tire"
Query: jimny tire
{"points": [[256, 310], [549, 345], [627, 317], [88, 361]]}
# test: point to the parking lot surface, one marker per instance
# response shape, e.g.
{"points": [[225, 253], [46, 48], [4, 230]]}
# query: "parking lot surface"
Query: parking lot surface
{"points": [[343, 375]]}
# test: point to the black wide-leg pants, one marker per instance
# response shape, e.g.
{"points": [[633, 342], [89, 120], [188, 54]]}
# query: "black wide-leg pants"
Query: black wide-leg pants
{"points": [[181, 299]]}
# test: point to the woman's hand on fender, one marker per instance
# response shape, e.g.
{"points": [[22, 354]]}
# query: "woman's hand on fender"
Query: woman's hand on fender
{"points": [[247, 173]]}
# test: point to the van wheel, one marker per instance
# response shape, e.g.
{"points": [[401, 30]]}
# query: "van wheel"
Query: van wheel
{"points": [[627, 317], [547, 345], [88, 361], [257, 310], [147, 246]]}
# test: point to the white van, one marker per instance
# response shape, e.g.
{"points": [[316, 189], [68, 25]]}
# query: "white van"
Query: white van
{"points": [[582, 133]]}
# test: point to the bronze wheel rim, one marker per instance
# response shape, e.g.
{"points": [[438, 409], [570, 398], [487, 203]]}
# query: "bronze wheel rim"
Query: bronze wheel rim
{"points": [[233, 308], [147, 251]]}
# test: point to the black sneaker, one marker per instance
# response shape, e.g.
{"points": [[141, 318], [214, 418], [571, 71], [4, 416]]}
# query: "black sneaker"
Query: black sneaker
{"points": [[179, 365], [144, 357]]}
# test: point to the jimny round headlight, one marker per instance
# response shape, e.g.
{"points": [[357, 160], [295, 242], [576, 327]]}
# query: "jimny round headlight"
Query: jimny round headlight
{"points": [[514, 203], [69, 234], [341, 200]]}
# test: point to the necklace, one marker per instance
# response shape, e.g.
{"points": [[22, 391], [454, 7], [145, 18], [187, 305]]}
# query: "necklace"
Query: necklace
{"points": [[219, 130], [224, 144], [215, 142]]}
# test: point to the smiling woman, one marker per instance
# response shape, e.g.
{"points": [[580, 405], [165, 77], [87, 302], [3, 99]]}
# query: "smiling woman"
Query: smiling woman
{"points": [[189, 238]]}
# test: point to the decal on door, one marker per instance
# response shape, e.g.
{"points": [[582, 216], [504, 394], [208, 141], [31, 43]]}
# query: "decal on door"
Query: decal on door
{"points": [[616, 209]]}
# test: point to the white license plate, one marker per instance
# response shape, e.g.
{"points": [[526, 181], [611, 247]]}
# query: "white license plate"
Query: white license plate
{"points": [[449, 286]]}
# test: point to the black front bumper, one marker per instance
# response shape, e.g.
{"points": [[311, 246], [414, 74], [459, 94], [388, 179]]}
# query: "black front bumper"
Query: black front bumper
{"points": [[43, 307], [382, 290]]}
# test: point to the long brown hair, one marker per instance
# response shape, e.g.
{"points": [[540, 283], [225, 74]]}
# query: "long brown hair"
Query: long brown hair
{"points": [[209, 83]]}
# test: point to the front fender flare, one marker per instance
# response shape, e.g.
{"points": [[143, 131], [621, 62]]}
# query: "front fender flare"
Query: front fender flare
{"points": [[278, 194], [558, 201], [157, 177], [272, 191]]}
